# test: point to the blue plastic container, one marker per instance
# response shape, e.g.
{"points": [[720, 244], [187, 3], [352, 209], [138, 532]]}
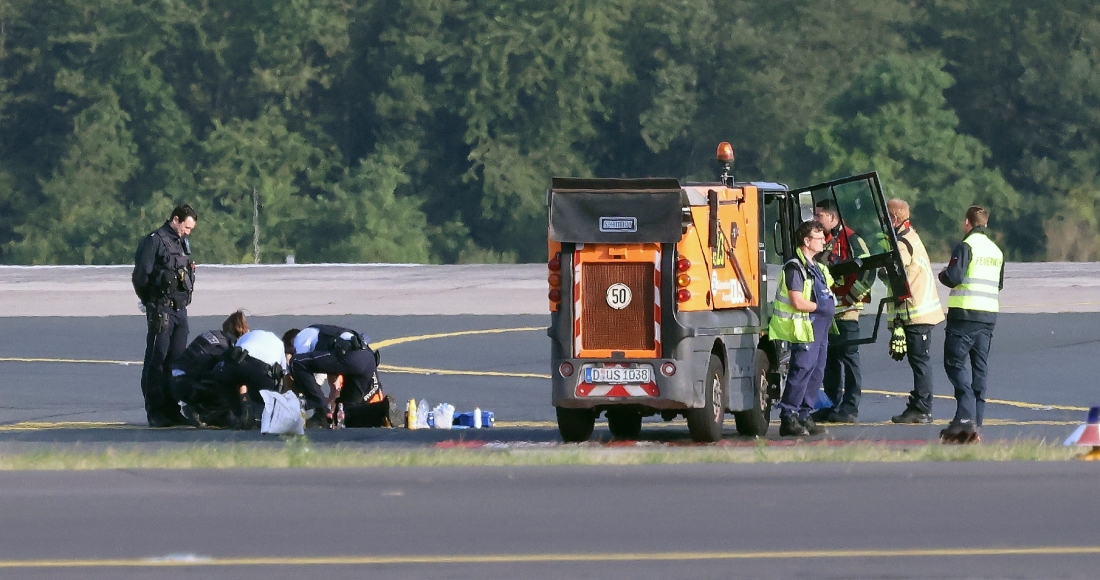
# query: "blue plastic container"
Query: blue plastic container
{"points": [[467, 419]]}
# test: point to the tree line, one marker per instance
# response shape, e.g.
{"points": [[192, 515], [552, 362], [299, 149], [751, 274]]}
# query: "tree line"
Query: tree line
{"points": [[428, 130]]}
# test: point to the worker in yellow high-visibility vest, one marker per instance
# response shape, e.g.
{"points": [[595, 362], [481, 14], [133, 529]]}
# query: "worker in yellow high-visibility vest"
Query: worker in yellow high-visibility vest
{"points": [[976, 275], [802, 315]]}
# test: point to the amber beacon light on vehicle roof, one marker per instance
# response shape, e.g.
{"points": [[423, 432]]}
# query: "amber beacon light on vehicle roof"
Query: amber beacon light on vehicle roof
{"points": [[725, 157]]}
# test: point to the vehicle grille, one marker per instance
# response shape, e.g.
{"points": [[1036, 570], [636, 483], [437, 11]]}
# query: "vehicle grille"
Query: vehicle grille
{"points": [[603, 327]]}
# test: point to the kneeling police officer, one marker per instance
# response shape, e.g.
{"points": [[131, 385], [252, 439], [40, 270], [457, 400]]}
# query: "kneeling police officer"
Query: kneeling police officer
{"points": [[200, 402], [256, 363], [351, 365]]}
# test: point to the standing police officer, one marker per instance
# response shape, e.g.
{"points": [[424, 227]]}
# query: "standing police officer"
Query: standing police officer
{"points": [[976, 275], [163, 278]]}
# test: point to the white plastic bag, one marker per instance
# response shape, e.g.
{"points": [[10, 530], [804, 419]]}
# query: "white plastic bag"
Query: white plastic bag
{"points": [[422, 414], [282, 414], [444, 415]]}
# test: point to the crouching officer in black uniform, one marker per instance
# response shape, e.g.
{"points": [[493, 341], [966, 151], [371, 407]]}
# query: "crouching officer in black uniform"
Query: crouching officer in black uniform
{"points": [[351, 365], [163, 278], [256, 363], [201, 403]]}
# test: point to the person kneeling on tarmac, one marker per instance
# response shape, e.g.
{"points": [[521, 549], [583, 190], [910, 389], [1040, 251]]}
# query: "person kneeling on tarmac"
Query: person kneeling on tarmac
{"points": [[351, 365], [190, 373], [256, 363]]}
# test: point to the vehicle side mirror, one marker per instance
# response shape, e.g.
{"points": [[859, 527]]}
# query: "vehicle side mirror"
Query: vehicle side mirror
{"points": [[806, 206]]}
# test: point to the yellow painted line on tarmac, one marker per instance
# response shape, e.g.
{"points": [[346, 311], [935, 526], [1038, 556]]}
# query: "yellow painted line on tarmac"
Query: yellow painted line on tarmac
{"points": [[425, 371], [71, 360], [45, 426], [547, 558], [404, 339], [1019, 404]]}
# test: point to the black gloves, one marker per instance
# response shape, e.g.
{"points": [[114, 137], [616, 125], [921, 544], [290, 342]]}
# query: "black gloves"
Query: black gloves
{"points": [[897, 344]]}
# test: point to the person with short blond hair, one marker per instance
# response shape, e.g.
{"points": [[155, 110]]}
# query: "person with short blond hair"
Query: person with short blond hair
{"points": [[917, 315]]}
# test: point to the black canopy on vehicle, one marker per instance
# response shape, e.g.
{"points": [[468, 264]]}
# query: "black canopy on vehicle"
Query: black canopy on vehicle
{"points": [[614, 211]]}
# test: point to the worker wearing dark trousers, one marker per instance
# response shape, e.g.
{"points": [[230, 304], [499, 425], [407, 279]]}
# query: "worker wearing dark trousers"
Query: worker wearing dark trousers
{"points": [[802, 315], [918, 345], [161, 348], [808, 363], [968, 341], [843, 381], [191, 369], [976, 277], [914, 319], [255, 364], [163, 279], [356, 366]]}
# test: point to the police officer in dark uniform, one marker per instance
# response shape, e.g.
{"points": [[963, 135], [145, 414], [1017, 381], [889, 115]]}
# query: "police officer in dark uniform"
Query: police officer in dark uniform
{"points": [[163, 278], [199, 401], [256, 363], [332, 350]]}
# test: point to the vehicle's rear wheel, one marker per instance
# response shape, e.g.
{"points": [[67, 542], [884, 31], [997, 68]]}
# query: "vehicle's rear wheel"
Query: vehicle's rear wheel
{"points": [[705, 423], [754, 422], [624, 423], [575, 425]]}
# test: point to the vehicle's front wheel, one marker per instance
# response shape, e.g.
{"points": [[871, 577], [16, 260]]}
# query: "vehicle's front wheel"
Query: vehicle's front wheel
{"points": [[754, 422], [624, 423], [705, 423], [575, 425]]}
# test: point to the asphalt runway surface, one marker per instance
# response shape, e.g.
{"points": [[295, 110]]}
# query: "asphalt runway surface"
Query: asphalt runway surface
{"points": [[1044, 370], [73, 382], [929, 520]]}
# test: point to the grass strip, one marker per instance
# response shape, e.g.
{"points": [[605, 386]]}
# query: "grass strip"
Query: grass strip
{"points": [[299, 452]]}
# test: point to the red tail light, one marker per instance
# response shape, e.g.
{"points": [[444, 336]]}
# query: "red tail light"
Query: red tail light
{"points": [[554, 264], [683, 265], [682, 295]]}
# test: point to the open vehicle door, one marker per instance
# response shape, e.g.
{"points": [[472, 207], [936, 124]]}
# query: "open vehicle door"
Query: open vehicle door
{"points": [[863, 216]]}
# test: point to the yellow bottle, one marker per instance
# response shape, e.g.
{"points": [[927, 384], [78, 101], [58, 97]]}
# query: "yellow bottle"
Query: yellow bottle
{"points": [[410, 415]]}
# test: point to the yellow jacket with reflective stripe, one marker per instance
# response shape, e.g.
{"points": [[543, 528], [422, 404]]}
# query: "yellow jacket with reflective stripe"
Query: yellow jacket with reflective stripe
{"points": [[923, 305]]}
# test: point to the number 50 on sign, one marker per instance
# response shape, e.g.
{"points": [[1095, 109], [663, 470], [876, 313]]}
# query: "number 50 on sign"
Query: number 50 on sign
{"points": [[618, 296]]}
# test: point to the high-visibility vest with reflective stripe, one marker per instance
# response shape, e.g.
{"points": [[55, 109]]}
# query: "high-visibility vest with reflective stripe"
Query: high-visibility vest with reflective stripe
{"points": [[980, 287], [923, 305], [787, 322]]}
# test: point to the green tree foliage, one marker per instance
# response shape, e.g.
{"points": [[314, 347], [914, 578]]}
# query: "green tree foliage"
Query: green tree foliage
{"points": [[894, 119], [1029, 88], [428, 130]]}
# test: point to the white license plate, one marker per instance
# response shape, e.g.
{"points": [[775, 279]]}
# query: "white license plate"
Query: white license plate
{"points": [[618, 375]]}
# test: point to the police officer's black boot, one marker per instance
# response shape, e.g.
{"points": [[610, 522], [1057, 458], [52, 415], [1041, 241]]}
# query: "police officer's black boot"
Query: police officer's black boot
{"points": [[245, 419], [190, 415]]}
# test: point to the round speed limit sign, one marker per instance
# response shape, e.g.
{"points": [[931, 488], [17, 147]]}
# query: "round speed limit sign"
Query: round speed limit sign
{"points": [[618, 296]]}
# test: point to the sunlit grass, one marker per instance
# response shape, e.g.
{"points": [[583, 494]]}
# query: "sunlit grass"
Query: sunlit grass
{"points": [[299, 452]]}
